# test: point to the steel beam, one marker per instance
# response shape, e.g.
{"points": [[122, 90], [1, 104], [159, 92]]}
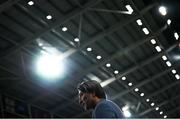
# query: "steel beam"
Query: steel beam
{"points": [[51, 27]]}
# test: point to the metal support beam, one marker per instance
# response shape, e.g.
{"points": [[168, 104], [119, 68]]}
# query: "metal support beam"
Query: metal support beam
{"points": [[112, 29], [52, 26], [110, 11], [138, 106]]}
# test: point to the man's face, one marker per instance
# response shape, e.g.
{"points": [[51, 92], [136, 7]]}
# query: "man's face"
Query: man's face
{"points": [[86, 100]]}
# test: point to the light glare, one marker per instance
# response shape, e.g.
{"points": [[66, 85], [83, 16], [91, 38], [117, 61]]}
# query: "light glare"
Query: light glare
{"points": [[123, 78], [98, 57], [176, 35], [152, 104], [162, 10], [116, 72], [158, 49], [136, 89], [139, 22], [147, 100], [153, 41], [173, 71], [129, 8], [161, 112], [168, 63], [40, 44], [177, 76], [145, 30], [130, 84], [64, 29], [108, 65], [89, 49], [76, 39], [127, 113], [168, 21], [164, 57], [157, 108], [142, 94], [49, 66], [48, 17], [30, 3]]}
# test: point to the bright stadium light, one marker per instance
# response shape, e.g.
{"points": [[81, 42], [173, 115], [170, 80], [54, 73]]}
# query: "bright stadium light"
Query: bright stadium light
{"points": [[49, 66], [30, 3], [126, 111], [168, 21], [162, 10], [139, 22], [129, 8], [176, 35]]}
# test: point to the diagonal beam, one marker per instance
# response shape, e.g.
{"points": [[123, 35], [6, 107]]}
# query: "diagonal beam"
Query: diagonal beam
{"points": [[138, 106], [52, 26], [71, 15], [6, 5]]}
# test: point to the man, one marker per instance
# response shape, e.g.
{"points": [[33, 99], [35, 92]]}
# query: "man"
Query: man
{"points": [[92, 96]]}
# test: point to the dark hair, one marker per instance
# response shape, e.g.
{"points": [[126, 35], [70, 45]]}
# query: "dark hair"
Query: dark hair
{"points": [[92, 87]]}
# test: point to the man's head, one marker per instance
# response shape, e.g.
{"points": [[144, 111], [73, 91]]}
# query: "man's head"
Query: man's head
{"points": [[89, 93]]}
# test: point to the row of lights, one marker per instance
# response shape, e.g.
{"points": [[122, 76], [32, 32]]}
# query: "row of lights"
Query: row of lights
{"points": [[163, 11], [153, 41], [151, 104], [158, 49]]}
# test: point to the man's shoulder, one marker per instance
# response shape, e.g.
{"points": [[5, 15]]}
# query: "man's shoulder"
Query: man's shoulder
{"points": [[106, 103]]}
